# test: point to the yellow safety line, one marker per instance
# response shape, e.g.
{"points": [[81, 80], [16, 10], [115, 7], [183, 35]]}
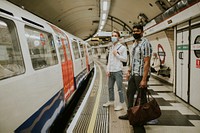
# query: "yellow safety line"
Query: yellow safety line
{"points": [[94, 113]]}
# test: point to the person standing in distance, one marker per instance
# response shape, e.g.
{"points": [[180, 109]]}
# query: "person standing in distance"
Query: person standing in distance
{"points": [[155, 63], [117, 54], [139, 70]]}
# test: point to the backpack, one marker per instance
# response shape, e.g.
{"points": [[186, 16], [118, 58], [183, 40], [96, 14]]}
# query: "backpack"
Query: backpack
{"points": [[124, 63]]}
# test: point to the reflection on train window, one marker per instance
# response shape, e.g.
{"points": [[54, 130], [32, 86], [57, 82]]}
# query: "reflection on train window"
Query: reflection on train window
{"points": [[197, 41], [60, 49], [68, 53], [11, 60], [67, 50], [82, 49], [41, 47], [89, 50], [75, 50], [63, 45]]}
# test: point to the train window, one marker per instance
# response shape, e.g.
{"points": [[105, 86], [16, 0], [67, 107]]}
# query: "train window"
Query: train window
{"points": [[68, 52], [89, 50], [82, 49], [41, 47], [11, 60], [75, 49], [197, 41], [60, 49]]}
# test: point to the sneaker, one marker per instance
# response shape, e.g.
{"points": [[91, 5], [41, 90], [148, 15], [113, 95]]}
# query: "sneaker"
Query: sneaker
{"points": [[152, 122], [109, 103], [124, 117], [118, 108]]}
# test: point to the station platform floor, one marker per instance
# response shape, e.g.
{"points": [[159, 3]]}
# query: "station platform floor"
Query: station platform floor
{"points": [[92, 117]]}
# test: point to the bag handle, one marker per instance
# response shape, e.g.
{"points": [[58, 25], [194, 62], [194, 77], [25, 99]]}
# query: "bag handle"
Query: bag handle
{"points": [[149, 94], [138, 98]]}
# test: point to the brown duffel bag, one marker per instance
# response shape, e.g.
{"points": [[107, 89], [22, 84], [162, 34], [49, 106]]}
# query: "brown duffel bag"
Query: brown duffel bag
{"points": [[140, 114]]}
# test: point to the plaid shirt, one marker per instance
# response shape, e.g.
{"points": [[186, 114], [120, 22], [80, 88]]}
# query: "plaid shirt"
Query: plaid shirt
{"points": [[140, 51]]}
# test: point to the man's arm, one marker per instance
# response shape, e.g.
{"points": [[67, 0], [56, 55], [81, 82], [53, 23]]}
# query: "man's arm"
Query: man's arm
{"points": [[123, 55], [108, 65], [143, 83]]}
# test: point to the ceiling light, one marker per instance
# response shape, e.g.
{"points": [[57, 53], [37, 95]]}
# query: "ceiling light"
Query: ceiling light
{"points": [[171, 0], [103, 22], [105, 5], [104, 16], [104, 10]]}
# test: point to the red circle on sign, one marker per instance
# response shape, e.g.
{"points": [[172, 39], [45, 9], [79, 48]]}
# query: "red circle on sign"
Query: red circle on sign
{"points": [[161, 53], [42, 39]]}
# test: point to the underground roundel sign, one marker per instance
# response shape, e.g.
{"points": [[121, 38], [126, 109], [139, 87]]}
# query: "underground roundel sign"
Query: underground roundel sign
{"points": [[161, 53], [42, 39]]}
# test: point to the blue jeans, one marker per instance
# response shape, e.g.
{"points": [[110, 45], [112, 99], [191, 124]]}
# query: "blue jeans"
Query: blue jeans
{"points": [[115, 76]]}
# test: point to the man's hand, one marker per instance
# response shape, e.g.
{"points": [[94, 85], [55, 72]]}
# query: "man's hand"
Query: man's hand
{"points": [[128, 75], [143, 84], [108, 74], [115, 52]]}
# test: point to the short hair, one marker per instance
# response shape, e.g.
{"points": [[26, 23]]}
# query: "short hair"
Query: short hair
{"points": [[115, 31], [138, 26]]}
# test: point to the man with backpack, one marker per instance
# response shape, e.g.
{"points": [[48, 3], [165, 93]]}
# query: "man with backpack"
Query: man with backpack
{"points": [[117, 54]]}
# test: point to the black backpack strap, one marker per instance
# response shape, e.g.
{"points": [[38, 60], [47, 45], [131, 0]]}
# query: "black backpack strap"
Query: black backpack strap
{"points": [[119, 47]]}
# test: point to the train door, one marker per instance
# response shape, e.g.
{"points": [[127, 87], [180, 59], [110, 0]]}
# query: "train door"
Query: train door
{"points": [[90, 59], [87, 58], [77, 62], [67, 68], [66, 62], [63, 55], [182, 64], [195, 66], [70, 68], [83, 58]]}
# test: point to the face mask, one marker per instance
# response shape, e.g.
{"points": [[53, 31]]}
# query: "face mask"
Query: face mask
{"points": [[136, 36], [114, 39]]}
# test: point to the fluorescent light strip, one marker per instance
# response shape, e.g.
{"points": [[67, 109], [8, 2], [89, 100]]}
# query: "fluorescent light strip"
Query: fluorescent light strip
{"points": [[104, 16], [103, 22], [105, 5]]}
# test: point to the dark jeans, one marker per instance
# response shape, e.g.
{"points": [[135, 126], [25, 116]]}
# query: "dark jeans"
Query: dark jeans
{"points": [[133, 86], [139, 129]]}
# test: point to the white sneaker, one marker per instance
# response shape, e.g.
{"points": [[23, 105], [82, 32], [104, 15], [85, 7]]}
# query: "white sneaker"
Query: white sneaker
{"points": [[108, 104], [153, 122], [119, 107]]}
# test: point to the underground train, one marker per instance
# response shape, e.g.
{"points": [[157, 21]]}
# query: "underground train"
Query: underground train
{"points": [[41, 67]]}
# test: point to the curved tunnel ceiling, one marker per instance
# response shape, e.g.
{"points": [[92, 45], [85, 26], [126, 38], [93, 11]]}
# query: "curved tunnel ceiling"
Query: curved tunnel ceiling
{"points": [[81, 17]]}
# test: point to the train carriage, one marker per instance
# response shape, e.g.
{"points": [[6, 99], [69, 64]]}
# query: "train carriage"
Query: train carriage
{"points": [[38, 70]]}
